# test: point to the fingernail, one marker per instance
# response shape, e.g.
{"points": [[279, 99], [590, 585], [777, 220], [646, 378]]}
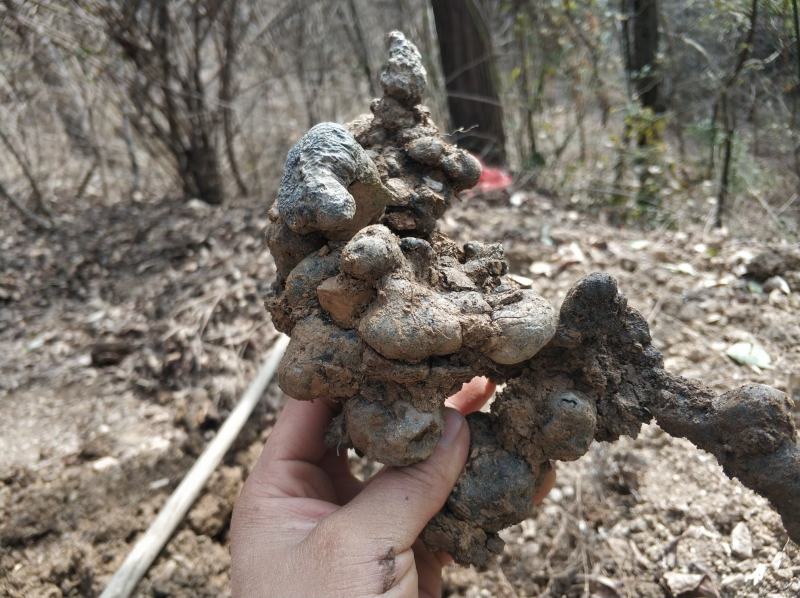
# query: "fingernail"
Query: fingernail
{"points": [[453, 421]]}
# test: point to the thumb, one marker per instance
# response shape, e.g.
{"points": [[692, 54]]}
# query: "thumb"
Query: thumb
{"points": [[397, 504]]}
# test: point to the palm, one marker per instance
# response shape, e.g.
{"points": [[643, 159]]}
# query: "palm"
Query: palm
{"points": [[298, 483], [305, 493]]}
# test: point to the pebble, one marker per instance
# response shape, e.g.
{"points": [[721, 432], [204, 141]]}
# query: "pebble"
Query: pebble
{"points": [[105, 463], [776, 283], [741, 541], [758, 575], [681, 583]]}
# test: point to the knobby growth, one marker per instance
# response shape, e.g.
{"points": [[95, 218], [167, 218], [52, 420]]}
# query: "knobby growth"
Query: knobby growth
{"points": [[389, 317]]}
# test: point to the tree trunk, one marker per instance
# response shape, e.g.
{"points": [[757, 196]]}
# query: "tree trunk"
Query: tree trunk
{"points": [[469, 69], [644, 49], [796, 90], [727, 153], [728, 113], [200, 172]]}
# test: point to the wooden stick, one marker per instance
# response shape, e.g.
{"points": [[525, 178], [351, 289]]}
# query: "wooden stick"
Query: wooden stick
{"points": [[150, 544]]}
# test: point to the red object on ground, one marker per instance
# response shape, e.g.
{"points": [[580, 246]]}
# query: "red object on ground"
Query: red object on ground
{"points": [[493, 179]]}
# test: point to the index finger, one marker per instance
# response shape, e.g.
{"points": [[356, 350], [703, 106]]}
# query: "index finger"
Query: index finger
{"points": [[472, 396]]}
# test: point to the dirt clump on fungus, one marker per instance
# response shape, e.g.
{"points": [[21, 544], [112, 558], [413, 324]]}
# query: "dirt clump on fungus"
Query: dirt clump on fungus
{"points": [[389, 316]]}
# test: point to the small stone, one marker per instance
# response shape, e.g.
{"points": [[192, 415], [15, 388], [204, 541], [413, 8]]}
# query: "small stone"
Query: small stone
{"points": [[778, 298], [305, 277], [774, 261], [106, 353], [158, 484], [745, 353], [733, 582], [400, 221], [758, 575], [104, 463], [776, 283], [681, 583], [434, 185], [456, 280], [741, 541]]}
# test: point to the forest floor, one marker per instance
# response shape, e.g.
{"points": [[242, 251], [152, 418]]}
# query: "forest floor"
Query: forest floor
{"points": [[128, 334]]}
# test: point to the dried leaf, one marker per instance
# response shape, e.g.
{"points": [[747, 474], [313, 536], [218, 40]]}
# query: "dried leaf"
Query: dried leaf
{"points": [[749, 354], [682, 268], [541, 268], [523, 281]]}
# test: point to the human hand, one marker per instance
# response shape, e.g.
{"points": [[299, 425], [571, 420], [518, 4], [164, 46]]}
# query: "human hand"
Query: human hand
{"points": [[305, 526]]}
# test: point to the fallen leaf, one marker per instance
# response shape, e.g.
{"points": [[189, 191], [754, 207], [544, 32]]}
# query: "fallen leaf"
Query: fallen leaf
{"points": [[682, 268], [571, 254], [517, 199], [541, 268], [523, 281], [749, 354]]}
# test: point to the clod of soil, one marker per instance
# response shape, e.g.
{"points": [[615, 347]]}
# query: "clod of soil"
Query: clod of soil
{"points": [[390, 317]]}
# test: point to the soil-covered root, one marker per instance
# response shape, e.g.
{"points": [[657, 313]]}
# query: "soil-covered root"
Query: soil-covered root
{"points": [[600, 378], [389, 317], [495, 491], [750, 430], [385, 314], [391, 326]]}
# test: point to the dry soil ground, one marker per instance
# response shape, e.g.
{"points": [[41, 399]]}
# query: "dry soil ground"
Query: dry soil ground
{"points": [[127, 335]]}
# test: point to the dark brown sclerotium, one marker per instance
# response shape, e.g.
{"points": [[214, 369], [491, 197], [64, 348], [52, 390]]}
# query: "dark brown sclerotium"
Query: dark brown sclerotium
{"points": [[390, 317]]}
